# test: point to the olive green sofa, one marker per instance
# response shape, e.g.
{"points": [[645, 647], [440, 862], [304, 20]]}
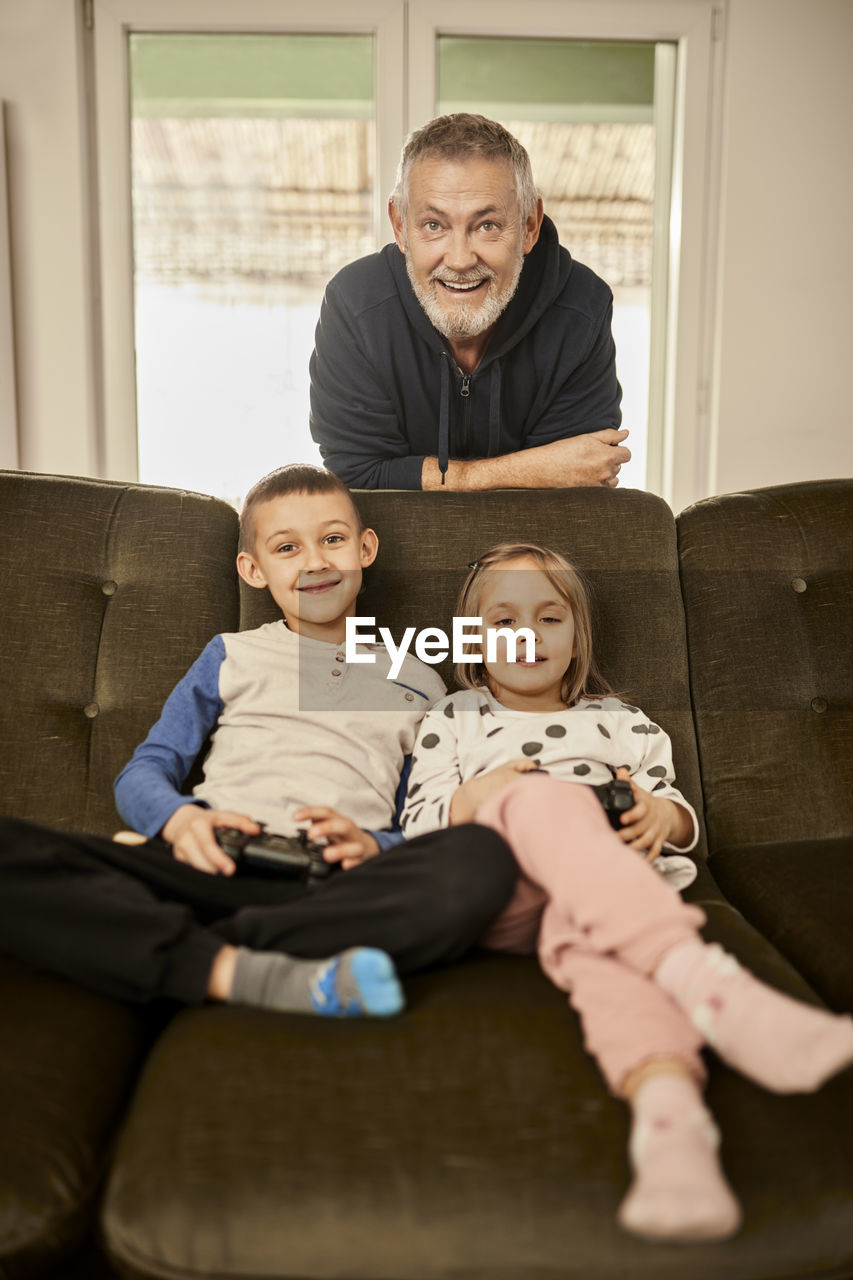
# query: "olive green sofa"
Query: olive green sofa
{"points": [[470, 1138]]}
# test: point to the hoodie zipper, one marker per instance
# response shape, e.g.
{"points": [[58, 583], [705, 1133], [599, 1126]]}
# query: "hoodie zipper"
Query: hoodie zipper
{"points": [[465, 393]]}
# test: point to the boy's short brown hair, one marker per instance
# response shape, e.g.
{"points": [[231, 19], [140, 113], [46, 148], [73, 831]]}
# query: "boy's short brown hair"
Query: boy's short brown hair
{"points": [[296, 477]]}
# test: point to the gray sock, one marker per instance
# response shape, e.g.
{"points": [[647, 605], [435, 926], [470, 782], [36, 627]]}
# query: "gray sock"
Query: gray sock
{"points": [[359, 982]]}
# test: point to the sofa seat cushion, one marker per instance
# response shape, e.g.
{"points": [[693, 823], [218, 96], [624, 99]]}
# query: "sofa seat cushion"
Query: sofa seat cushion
{"points": [[800, 895], [69, 1062], [469, 1138]]}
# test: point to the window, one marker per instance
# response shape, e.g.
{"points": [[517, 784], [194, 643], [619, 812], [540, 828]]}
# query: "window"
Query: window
{"points": [[585, 111], [253, 165], [260, 145]]}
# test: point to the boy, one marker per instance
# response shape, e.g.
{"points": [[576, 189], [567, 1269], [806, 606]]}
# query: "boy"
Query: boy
{"points": [[293, 724]]}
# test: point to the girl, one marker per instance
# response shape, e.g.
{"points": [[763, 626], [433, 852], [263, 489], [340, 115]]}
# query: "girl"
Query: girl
{"points": [[515, 749]]}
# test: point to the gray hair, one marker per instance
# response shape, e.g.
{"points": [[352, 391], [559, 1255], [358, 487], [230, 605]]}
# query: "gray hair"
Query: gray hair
{"points": [[461, 135]]}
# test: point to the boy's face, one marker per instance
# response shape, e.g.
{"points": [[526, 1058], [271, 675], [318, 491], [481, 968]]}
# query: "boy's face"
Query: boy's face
{"points": [[309, 552]]}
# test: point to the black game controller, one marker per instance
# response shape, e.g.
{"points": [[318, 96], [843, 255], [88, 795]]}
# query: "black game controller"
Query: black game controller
{"points": [[292, 857], [616, 798]]}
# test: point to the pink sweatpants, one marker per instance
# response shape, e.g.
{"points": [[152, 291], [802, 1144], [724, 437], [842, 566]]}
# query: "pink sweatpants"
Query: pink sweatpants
{"points": [[600, 917]]}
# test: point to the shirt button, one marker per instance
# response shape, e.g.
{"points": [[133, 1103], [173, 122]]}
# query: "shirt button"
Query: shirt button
{"points": [[109, 587], [819, 705], [799, 585], [410, 697], [335, 671], [340, 658], [91, 710]]}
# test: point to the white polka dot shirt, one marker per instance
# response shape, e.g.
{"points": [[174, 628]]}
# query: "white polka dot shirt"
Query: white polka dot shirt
{"points": [[468, 733]]}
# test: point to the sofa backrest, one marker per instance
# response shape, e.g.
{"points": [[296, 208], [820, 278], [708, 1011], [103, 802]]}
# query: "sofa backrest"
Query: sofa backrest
{"points": [[768, 590], [109, 592], [623, 541]]}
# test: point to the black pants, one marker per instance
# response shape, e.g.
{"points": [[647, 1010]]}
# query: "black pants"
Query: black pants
{"points": [[131, 922]]}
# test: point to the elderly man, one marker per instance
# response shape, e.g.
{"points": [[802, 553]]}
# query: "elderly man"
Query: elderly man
{"points": [[473, 353]]}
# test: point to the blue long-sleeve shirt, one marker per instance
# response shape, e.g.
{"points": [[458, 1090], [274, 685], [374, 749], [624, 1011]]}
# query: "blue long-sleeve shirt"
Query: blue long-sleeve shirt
{"points": [[293, 724]]}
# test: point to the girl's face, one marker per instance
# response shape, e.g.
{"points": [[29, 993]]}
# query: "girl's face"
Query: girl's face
{"points": [[518, 594]]}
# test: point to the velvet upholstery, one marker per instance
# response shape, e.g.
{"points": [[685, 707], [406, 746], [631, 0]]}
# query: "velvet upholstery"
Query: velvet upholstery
{"points": [[768, 592], [109, 592], [800, 895], [470, 1138], [67, 1066]]}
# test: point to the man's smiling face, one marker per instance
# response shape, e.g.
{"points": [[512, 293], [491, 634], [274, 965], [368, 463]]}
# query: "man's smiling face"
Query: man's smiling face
{"points": [[464, 239]]}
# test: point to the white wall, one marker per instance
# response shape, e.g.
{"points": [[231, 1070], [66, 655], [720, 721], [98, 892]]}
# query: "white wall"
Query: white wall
{"points": [[785, 325], [781, 400], [41, 82], [8, 400]]}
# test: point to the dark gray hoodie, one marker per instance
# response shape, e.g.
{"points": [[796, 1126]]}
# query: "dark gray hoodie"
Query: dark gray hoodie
{"points": [[386, 391]]}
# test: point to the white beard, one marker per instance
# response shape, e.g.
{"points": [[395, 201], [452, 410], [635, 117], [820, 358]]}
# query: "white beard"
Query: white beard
{"points": [[465, 321]]}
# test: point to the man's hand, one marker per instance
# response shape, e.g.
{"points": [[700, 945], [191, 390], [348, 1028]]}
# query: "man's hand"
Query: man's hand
{"points": [[577, 462], [583, 461], [652, 821], [348, 844], [468, 798], [190, 833]]}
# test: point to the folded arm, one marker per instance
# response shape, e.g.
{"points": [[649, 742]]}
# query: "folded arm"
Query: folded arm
{"points": [[577, 462], [576, 440]]}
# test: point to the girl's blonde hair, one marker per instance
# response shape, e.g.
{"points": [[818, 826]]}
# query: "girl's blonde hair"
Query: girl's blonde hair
{"points": [[582, 678]]}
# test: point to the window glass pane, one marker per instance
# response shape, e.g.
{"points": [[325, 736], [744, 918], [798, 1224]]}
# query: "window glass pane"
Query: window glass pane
{"points": [[253, 182], [585, 112]]}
